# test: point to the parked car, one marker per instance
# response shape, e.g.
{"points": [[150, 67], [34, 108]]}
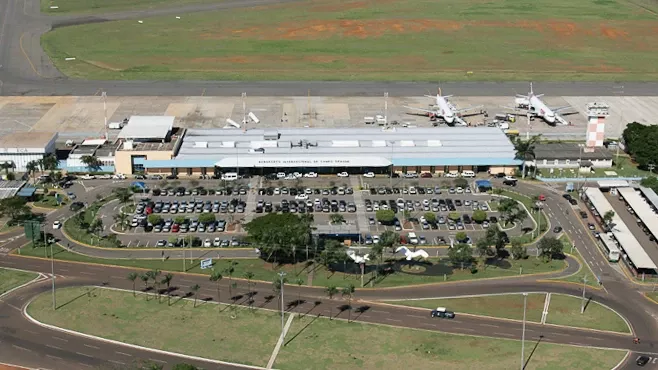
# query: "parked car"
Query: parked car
{"points": [[369, 174], [343, 174], [311, 174], [442, 312]]}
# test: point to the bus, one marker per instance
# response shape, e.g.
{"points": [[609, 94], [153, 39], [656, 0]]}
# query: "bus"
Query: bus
{"points": [[610, 247]]}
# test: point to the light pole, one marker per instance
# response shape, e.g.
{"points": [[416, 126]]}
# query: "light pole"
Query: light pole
{"points": [[52, 272], [281, 275], [582, 305], [525, 301]]}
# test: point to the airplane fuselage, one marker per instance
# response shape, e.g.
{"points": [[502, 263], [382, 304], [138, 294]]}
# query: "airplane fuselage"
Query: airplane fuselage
{"points": [[445, 109], [540, 109]]}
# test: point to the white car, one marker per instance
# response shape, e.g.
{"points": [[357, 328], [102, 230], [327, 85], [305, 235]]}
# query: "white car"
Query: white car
{"points": [[277, 191], [311, 174], [343, 174], [375, 239], [207, 243], [369, 174], [105, 177], [290, 176], [297, 175], [459, 190], [57, 225], [301, 196], [119, 176], [217, 242], [510, 178], [316, 201], [280, 175], [87, 177], [452, 174]]}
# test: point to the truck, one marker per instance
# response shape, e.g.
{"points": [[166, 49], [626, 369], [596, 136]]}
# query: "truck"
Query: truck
{"points": [[118, 125]]}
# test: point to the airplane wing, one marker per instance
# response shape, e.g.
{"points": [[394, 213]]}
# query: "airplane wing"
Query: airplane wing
{"points": [[558, 109], [422, 110], [468, 108]]}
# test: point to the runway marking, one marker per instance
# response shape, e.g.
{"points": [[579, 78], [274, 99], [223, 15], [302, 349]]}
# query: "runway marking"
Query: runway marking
{"points": [[31, 331], [61, 269], [117, 277], [466, 329], [90, 346], [160, 361], [82, 354], [394, 320], [124, 354], [62, 339], [20, 44], [117, 362], [83, 364], [54, 347], [87, 273], [55, 357], [489, 325], [504, 334], [19, 347]]}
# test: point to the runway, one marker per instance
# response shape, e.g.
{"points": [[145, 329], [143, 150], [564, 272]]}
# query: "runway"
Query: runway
{"points": [[26, 69]]}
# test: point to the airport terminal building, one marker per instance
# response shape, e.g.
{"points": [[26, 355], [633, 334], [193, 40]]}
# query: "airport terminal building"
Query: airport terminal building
{"points": [[189, 152]]}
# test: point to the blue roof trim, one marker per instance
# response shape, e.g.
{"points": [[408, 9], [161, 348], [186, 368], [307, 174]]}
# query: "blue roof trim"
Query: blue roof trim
{"points": [[173, 163], [456, 162]]}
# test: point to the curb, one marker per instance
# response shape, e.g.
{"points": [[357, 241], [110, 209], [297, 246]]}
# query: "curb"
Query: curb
{"points": [[134, 346], [646, 295], [39, 276]]}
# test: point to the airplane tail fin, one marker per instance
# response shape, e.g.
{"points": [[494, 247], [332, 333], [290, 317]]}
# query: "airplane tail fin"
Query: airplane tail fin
{"points": [[531, 92]]}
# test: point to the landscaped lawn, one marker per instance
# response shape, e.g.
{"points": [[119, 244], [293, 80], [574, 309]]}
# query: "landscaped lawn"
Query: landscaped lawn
{"points": [[540, 219], [10, 279], [562, 310], [246, 336], [75, 232], [652, 296], [565, 310], [207, 330], [49, 201], [508, 306], [624, 167], [325, 344], [430, 272], [104, 6], [360, 40]]}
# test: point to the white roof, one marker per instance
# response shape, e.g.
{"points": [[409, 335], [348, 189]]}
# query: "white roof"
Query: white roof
{"points": [[283, 161], [641, 208], [147, 127], [93, 142], [613, 184], [626, 240]]}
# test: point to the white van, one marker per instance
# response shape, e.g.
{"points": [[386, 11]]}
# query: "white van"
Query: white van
{"points": [[413, 239], [468, 174], [230, 176]]}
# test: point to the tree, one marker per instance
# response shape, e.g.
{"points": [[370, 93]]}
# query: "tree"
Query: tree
{"points": [[385, 216], [154, 275], [49, 162], [454, 216], [525, 150], [229, 270], [389, 239], [483, 249], [650, 182], [31, 168], [608, 216], [430, 217], [194, 183], [278, 235], [132, 277], [181, 219], [14, 208], [207, 218], [348, 291], [460, 254], [479, 216], [92, 163], [461, 182], [216, 277], [124, 195], [331, 291], [249, 275], [510, 211], [154, 219], [195, 289], [145, 278], [550, 247], [184, 367], [121, 218], [333, 252], [640, 141], [96, 226], [518, 251], [166, 280], [461, 237], [336, 219], [299, 283]]}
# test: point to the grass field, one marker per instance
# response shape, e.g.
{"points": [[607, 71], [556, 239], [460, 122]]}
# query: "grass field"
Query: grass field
{"points": [[563, 310], [244, 336], [104, 6], [318, 343], [415, 40], [321, 277], [10, 279], [585, 270]]}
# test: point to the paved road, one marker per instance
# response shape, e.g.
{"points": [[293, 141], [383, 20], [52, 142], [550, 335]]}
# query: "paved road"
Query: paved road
{"points": [[26, 70]]}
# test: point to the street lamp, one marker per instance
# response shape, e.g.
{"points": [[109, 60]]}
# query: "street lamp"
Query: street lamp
{"points": [[525, 301], [52, 272], [281, 276], [582, 304]]}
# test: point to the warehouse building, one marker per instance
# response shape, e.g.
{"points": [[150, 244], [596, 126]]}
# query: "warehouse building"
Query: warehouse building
{"points": [[404, 150]]}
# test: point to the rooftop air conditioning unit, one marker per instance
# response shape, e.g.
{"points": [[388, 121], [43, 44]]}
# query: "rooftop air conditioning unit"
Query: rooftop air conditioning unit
{"points": [[128, 145]]}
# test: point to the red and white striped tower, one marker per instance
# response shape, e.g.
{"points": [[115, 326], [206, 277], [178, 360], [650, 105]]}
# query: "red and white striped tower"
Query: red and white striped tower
{"points": [[596, 115]]}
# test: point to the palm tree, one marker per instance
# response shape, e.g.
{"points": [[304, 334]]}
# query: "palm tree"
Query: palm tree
{"points": [[525, 150], [31, 168], [229, 270], [331, 291], [249, 275], [121, 219], [299, 282], [348, 291], [92, 163], [49, 162], [337, 218], [132, 277], [145, 278], [167, 281], [195, 289], [216, 276], [154, 274], [123, 194]]}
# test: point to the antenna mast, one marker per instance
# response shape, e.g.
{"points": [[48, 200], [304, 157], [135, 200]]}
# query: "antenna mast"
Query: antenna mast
{"points": [[244, 112], [104, 95]]}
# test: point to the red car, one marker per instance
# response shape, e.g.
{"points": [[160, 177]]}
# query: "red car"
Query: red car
{"points": [[542, 197], [175, 228], [425, 175], [148, 210]]}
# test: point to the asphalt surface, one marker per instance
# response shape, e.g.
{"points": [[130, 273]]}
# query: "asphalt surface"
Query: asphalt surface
{"points": [[26, 70]]}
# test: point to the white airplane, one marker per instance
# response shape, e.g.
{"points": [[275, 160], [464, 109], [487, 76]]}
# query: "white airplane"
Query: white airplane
{"points": [[447, 111], [537, 108]]}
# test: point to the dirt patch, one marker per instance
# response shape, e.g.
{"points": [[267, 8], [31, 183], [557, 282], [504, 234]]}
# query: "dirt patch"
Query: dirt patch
{"points": [[614, 33], [103, 65]]}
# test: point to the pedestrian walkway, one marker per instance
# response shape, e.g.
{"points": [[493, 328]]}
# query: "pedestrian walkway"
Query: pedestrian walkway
{"points": [[361, 219], [251, 205]]}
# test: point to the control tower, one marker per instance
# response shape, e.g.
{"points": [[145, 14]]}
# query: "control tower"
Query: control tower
{"points": [[596, 115]]}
